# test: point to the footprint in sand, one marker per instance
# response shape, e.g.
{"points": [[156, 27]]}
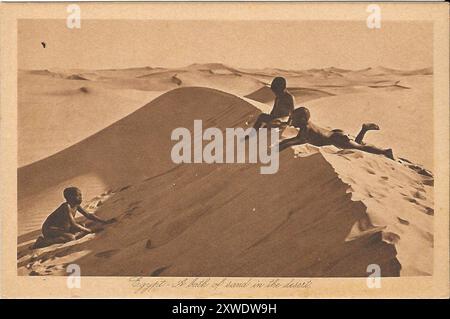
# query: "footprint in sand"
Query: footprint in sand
{"points": [[109, 191], [370, 171], [418, 194], [428, 210], [121, 189], [428, 182], [107, 253], [411, 200], [351, 153], [403, 221], [135, 203]]}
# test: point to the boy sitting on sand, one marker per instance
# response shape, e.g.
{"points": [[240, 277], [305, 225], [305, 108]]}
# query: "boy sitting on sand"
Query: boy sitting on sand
{"points": [[61, 226], [282, 107], [315, 135]]}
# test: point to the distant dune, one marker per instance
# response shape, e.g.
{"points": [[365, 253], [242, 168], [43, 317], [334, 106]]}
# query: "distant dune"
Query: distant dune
{"points": [[379, 70], [51, 96], [55, 113], [265, 94], [326, 213]]}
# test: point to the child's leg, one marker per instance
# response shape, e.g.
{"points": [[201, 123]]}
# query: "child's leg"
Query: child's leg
{"points": [[289, 142], [77, 233], [54, 235], [64, 238], [365, 127], [262, 119], [369, 149]]}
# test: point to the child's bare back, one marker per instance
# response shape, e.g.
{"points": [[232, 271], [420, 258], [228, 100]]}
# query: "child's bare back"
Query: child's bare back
{"points": [[282, 108], [60, 218], [319, 136], [60, 226]]}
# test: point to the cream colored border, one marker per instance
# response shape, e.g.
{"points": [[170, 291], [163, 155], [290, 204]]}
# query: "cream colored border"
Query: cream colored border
{"points": [[13, 286]]}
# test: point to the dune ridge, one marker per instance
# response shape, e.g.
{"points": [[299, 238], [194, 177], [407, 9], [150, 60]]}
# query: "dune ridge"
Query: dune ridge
{"points": [[44, 96], [316, 217]]}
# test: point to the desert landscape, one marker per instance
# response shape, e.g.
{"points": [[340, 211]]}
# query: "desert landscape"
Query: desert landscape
{"points": [[326, 213]]}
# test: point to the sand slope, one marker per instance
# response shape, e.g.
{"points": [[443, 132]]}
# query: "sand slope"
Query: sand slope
{"points": [[136, 146], [309, 219], [56, 111]]}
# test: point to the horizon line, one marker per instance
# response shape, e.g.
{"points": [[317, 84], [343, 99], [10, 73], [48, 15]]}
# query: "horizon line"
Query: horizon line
{"points": [[228, 66]]}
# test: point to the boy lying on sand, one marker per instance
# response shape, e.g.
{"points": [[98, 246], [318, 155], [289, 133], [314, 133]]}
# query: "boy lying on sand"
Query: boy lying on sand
{"points": [[61, 226], [315, 135], [282, 107]]}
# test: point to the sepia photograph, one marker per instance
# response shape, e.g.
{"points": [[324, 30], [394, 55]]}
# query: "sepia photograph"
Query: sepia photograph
{"points": [[228, 152]]}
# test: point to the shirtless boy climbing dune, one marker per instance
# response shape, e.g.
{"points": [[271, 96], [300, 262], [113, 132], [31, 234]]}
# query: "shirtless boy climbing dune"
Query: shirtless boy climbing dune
{"points": [[61, 226]]}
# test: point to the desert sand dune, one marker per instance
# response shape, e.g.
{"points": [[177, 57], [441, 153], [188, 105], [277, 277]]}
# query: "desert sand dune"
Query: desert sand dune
{"points": [[378, 183], [196, 222], [126, 150], [265, 94], [404, 117], [380, 70], [97, 98], [89, 100], [55, 113], [309, 219], [233, 83]]}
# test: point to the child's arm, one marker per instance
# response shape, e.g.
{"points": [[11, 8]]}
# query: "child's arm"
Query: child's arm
{"points": [[298, 140], [91, 216], [291, 109], [74, 223], [274, 105]]}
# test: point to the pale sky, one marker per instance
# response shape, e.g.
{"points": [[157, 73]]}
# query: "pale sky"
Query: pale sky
{"points": [[248, 44]]}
